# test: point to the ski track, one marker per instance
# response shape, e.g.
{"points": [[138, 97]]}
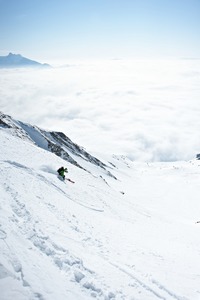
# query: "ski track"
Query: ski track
{"points": [[85, 205], [62, 258], [156, 289], [45, 180], [59, 256]]}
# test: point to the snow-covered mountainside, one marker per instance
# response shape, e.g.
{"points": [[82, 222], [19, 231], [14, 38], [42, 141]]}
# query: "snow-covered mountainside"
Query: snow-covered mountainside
{"points": [[17, 60], [132, 235], [56, 142]]}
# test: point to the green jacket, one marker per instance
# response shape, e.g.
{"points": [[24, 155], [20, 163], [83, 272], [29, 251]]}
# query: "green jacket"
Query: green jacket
{"points": [[62, 171]]}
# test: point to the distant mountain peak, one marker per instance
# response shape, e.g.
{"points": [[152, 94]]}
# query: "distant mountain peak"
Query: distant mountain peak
{"points": [[12, 54], [17, 60]]}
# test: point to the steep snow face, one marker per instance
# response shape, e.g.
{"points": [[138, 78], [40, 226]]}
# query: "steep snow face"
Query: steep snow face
{"points": [[132, 238], [56, 142]]}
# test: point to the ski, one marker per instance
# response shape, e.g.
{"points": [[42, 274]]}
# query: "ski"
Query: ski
{"points": [[70, 180]]}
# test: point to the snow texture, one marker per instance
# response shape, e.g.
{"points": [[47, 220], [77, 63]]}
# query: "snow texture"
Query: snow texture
{"points": [[135, 238]]}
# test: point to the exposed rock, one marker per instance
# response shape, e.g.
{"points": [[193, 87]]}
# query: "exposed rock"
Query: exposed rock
{"points": [[55, 142]]}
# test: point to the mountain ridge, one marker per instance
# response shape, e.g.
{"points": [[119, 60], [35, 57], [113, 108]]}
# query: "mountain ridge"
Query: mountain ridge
{"points": [[53, 141]]}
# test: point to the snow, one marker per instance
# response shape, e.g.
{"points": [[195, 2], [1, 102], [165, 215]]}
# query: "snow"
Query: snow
{"points": [[35, 136], [135, 238]]}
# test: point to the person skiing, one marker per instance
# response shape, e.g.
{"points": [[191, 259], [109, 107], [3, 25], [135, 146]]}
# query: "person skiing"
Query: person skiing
{"points": [[61, 171]]}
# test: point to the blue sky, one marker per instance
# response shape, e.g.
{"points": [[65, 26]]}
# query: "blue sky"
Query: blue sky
{"points": [[63, 29]]}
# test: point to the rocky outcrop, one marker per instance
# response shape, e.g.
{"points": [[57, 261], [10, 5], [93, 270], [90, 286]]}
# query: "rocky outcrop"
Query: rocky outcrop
{"points": [[53, 141]]}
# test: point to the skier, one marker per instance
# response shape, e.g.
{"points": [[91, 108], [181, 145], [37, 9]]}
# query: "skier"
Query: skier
{"points": [[61, 171]]}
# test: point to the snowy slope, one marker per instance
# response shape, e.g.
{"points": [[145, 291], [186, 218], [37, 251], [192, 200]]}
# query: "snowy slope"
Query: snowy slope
{"points": [[136, 237], [55, 142]]}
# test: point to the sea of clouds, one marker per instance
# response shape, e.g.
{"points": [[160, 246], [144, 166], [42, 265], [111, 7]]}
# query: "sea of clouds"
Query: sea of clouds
{"points": [[147, 110]]}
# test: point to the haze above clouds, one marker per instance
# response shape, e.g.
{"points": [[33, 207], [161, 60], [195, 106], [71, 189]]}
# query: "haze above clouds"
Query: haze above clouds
{"points": [[61, 30], [147, 109]]}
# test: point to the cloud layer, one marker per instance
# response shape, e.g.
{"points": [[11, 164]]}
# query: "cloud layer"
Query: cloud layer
{"points": [[147, 110]]}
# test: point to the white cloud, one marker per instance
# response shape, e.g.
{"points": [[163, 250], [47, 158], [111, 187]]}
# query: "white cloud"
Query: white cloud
{"points": [[148, 110]]}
